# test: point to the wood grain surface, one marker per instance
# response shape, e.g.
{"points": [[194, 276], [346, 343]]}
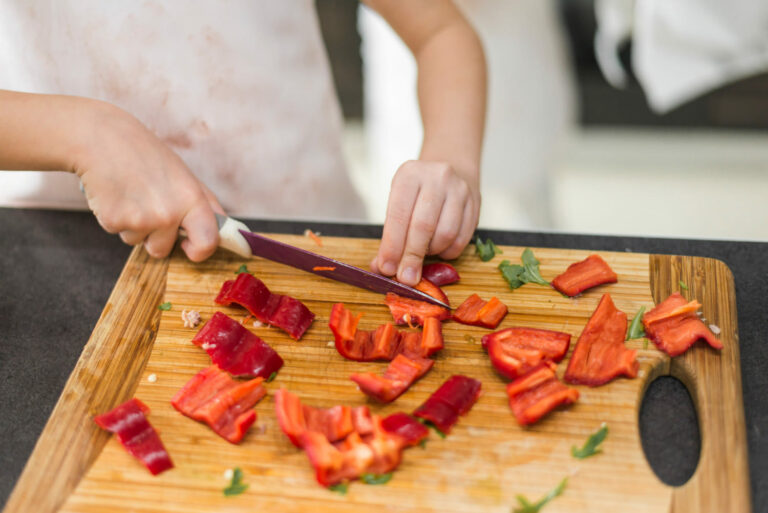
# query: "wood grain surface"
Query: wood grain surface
{"points": [[481, 466]]}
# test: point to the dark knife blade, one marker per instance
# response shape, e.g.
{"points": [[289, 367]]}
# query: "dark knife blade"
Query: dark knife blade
{"points": [[306, 261]]}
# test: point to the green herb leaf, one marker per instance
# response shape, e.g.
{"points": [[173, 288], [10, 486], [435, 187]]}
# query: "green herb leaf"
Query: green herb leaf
{"points": [[423, 443], [528, 507], [590, 447], [165, 306], [236, 486], [683, 285], [242, 269], [511, 273], [271, 377], [645, 343], [431, 426], [518, 275], [376, 479], [486, 250], [636, 326], [340, 488]]}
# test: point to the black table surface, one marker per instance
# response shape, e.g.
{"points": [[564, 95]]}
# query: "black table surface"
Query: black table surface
{"points": [[57, 269]]}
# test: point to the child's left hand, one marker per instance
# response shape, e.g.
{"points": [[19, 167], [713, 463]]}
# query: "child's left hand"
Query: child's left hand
{"points": [[433, 210]]}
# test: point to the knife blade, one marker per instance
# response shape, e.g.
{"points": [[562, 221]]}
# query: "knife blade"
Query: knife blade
{"points": [[236, 237]]}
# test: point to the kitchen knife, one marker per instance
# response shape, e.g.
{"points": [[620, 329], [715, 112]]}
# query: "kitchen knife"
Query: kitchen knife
{"points": [[236, 237]]}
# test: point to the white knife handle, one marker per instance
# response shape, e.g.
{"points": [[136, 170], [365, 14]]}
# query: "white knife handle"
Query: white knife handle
{"points": [[229, 235]]}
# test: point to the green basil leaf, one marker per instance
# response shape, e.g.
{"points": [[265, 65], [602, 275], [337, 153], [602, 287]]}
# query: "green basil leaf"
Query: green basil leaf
{"points": [[165, 306], [636, 326], [376, 479], [271, 377], [683, 285], [423, 443], [590, 447], [340, 488], [236, 485], [486, 250], [511, 273], [518, 275], [242, 269], [528, 507]]}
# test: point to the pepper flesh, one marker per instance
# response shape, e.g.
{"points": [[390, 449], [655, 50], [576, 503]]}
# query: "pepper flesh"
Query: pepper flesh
{"points": [[580, 276], [516, 351], [674, 326], [454, 398], [537, 393], [401, 373], [226, 405], [285, 312], [440, 273], [403, 425], [413, 312], [476, 312], [129, 423], [235, 349], [333, 423], [383, 343], [600, 354]]}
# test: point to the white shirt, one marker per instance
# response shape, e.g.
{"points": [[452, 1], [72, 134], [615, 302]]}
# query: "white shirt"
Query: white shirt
{"points": [[241, 90]]}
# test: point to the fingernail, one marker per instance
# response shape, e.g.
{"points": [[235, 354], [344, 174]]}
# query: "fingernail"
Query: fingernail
{"points": [[389, 268], [409, 275]]}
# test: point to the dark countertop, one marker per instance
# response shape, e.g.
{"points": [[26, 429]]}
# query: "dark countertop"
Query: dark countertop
{"points": [[57, 269]]}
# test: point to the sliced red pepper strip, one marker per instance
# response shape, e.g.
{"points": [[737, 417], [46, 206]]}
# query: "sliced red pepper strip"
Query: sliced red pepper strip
{"points": [[226, 405], [476, 312], [383, 343], [285, 312], [455, 397], [537, 393], [332, 423], [401, 373], [413, 312], [588, 273], [129, 423], [235, 349], [440, 273], [600, 354], [406, 427], [516, 351], [674, 326]]}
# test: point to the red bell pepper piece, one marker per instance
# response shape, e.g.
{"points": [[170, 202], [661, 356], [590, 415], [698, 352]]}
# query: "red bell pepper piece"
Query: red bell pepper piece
{"points": [[129, 422], [285, 312], [383, 343], [674, 326], [516, 351], [537, 393], [440, 273], [401, 373], [588, 273], [476, 312], [413, 312], [406, 427], [226, 405], [235, 349], [455, 397], [333, 423], [600, 354]]}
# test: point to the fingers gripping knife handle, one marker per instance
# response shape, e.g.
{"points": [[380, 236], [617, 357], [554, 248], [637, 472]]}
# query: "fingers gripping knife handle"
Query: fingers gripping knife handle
{"points": [[229, 235]]}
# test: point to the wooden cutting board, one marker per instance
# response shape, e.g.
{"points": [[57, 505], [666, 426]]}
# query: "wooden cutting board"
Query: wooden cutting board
{"points": [[481, 466]]}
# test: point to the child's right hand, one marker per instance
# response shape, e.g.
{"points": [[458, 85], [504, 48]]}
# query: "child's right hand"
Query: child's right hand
{"points": [[138, 187]]}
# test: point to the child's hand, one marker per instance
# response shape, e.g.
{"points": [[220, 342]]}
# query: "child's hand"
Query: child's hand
{"points": [[139, 188], [433, 210]]}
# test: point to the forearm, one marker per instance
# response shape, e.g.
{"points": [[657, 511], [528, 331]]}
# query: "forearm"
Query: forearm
{"points": [[43, 132]]}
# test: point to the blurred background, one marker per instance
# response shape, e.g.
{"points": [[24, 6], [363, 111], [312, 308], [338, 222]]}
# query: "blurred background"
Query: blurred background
{"points": [[564, 149]]}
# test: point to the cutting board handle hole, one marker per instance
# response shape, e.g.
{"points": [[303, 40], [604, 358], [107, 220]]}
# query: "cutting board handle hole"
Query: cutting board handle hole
{"points": [[669, 430]]}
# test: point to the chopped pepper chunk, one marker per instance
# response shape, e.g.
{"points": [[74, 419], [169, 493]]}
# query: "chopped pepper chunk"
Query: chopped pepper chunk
{"points": [[588, 273], [334, 423], [516, 351], [401, 373], [129, 423], [600, 354], [440, 273], [674, 326], [454, 398], [226, 405], [406, 427], [235, 349], [285, 312], [383, 343], [476, 312], [413, 312], [537, 393]]}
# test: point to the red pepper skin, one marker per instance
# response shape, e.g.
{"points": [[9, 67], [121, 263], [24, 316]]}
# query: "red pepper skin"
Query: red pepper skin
{"points": [[406, 427], [455, 397], [476, 312], [226, 405], [333, 424], [383, 343], [235, 349], [516, 351], [588, 273], [440, 273], [674, 326], [129, 423], [401, 373], [600, 354], [285, 312], [537, 393], [413, 312]]}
